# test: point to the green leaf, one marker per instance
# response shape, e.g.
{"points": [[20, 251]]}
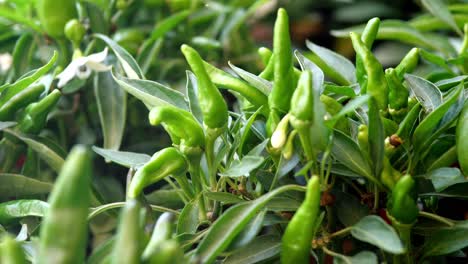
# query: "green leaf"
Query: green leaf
{"points": [[124, 158], [188, 219], [373, 230], [8, 13], [112, 108], [447, 240], [231, 223], [28, 79], [376, 138], [441, 11], [21, 208], [43, 148], [260, 249], [95, 14], [243, 167], [347, 152], [15, 185], [149, 53], [350, 107], [427, 93], [338, 67], [192, 95], [250, 231], [446, 84], [23, 53], [443, 178], [152, 93], [129, 65], [363, 257], [349, 209], [424, 133], [317, 73], [279, 204], [257, 82], [165, 25], [6, 124]]}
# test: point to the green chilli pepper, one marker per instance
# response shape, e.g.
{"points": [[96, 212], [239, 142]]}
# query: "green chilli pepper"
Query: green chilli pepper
{"points": [[408, 63], [75, 31], [302, 114], [297, 238], [35, 115], [162, 232], [283, 82], [212, 104], [168, 161], [64, 233], [127, 246], [368, 36], [269, 70], [162, 248], [389, 175], [53, 15], [397, 94], [402, 204], [333, 107], [11, 251], [461, 139], [363, 139], [12, 100], [182, 127], [265, 54], [376, 82]]}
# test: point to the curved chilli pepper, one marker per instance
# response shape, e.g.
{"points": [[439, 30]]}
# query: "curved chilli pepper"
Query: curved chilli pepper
{"points": [[301, 112], [168, 161], [169, 252], [376, 82], [183, 128], [397, 94], [333, 107], [402, 204], [279, 136], [283, 82], [10, 102], [227, 81], [11, 251], [389, 175], [461, 139], [408, 63], [53, 15], [265, 54], [35, 115], [127, 248], [162, 232], [268, 71], [212, 104], [297, 238], [368, 36], [363, 139], [64, 234]]}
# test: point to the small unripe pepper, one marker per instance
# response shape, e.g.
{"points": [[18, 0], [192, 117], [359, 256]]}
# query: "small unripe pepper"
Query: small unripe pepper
{"points": [[75, 32], [53, 15], [35, 115], [397, 94], [368, 36], [376, 83], [297, 239], [11, 101], [181, 125], [64, 229], [127, 247], [11, 251], [461, 139], [168, 161], [402, 204], [212, 104], [408, 63]]}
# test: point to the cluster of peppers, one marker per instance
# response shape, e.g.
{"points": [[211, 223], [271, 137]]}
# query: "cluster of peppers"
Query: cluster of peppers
{"points": [[295, 99]]}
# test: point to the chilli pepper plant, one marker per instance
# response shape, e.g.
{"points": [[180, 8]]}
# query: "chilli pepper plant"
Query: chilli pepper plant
{"points": [[314, 159]]}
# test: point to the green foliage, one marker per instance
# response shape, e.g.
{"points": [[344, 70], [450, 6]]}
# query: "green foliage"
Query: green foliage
{"points": [[285, 155]]}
